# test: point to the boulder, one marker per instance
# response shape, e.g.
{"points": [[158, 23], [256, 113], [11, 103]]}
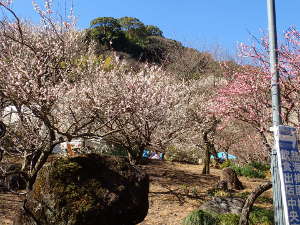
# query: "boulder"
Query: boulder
{"points": [[229, 176], [220, 205], [88, 189], [222, 185]]}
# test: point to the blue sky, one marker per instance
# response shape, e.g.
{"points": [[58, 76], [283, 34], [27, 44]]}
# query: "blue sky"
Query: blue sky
{"points": [[201, 24]]}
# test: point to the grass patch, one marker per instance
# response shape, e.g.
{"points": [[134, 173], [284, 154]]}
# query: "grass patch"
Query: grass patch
{"points": [[248, 171], [228, 219], [252, 169], [258, 216], [260, 166], [199, 217]]}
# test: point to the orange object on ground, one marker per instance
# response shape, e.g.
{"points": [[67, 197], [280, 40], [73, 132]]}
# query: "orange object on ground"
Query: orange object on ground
{"points": [[70, 151]]}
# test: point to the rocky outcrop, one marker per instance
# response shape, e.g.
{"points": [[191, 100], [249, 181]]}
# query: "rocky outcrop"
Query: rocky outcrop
{"points": [[230, 180], [220, 205], [89, 190]]}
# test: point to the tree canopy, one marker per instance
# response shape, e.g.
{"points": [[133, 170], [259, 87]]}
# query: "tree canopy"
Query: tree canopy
{"points": [[131, 23], [153, 31], [105, 30], [126, 34]]}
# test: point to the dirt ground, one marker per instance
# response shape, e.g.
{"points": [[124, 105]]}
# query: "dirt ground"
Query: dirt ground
{"points": [[9, 204], [175, 190]]}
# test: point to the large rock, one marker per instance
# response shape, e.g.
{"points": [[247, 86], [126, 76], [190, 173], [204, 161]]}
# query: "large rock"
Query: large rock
{"points": [[229, 177], [89, 190], [220, 205]]}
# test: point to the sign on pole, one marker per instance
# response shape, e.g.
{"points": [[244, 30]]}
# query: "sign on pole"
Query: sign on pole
{"points": [[289, 172]]}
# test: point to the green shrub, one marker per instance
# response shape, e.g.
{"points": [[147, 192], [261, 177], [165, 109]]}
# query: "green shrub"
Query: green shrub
{"points": [[237, 169], [258, 216], [251, 172], [260, 166], [226, 163], [228, 219], [199, 217], [248, 171], [261, 216]]}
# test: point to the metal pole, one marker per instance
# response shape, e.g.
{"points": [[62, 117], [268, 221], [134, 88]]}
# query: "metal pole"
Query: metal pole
{"points": [[276, 112]]}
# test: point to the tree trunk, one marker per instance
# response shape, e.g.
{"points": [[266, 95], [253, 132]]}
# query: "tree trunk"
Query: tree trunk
{"points": [[135, 155], [131, 158], [250, 201], [205, 169], [208, 139], [265, 141], [29, 183], [33, 163]]}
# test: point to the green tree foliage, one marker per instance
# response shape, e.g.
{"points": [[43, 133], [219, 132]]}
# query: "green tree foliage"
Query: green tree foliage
{"points": [[129, 35], [107, 33], [131, 24], [153, 31], [146, 43], [134, 30], [109, 23], [105, 29]]}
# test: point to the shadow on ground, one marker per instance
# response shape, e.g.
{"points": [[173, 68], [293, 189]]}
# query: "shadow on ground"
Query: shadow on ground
{"points": [[177, 182]]}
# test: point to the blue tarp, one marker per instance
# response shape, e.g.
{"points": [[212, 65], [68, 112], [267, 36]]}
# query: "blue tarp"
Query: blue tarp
{"points": [[146, 153], [152, 155], [223, 155]]}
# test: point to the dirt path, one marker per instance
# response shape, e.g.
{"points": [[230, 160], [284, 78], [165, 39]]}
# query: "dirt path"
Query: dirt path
{"points": [[177, 189], [9, 205]]}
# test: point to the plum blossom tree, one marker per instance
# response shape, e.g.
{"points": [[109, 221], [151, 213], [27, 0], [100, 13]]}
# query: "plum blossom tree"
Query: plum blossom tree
{"points": [[237, 138], [246, 95], [201, 121], [246, 98], [146, 108], [39, 65], [59, 90]]}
